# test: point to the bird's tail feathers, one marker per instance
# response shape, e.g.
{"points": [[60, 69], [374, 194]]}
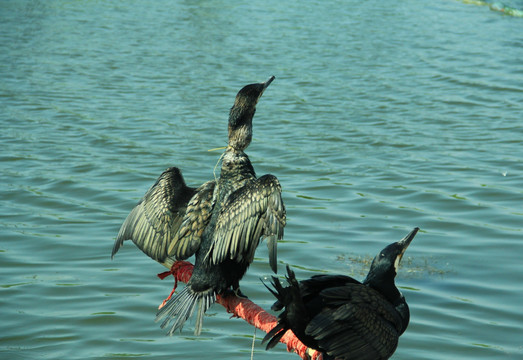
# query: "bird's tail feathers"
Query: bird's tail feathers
{"points": [[286, 296], [274, 335], [291, 278], [182, 306]]}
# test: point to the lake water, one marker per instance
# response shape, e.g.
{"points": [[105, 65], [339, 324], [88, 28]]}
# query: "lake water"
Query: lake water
{"points": [[383, 116]]}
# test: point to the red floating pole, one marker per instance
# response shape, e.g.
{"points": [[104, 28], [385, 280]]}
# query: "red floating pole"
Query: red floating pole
{"points": [[245, 309]]}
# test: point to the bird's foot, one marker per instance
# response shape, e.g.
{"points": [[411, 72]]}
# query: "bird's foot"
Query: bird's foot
{"points": [[239, 293], [168, 298], [235, 292]]}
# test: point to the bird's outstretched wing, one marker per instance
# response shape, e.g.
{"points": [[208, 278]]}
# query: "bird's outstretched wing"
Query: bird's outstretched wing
{"points": [[197, 216], [154, 224], [252, 212], [356, 323]]}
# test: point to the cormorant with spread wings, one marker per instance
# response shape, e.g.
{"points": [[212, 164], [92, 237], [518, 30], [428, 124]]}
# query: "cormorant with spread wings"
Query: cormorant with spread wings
{"points": [[221, 222]]}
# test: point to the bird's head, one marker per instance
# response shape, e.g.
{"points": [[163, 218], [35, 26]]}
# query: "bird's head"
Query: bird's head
{"points": [[385, 265], [242, 112]]}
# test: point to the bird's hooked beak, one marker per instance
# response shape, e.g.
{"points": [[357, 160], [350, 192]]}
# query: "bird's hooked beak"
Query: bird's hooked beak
{"points": [[266, 84], [403, 244]]}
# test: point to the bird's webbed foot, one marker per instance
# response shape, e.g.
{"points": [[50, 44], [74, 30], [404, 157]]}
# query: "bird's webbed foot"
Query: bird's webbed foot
{"points": [[239, 293], [235, 291]]}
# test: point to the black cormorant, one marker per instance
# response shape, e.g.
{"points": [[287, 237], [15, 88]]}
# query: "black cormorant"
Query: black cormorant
{"points": [[341, 317], [221, 222]]}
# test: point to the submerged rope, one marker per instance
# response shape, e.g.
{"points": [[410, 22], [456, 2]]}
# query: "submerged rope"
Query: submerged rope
{"points": [[253, 342], [245, 309]]}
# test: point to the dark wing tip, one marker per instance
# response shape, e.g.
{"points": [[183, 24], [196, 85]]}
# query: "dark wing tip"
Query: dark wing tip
{"points": [[118, 243], [272, 245]]}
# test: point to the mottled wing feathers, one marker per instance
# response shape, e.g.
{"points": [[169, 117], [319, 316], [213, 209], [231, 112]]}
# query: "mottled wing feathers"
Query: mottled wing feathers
{"points": [[253, 211], [197, 216], [154, 222], [356, 322]]}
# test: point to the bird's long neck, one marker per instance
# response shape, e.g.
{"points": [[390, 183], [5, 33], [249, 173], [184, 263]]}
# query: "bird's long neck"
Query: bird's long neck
{"points": [[240, 126], [385, 286]]}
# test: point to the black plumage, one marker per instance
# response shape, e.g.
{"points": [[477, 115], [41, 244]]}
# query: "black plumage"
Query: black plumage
{"points": [[341, 317], [221, 222]]}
